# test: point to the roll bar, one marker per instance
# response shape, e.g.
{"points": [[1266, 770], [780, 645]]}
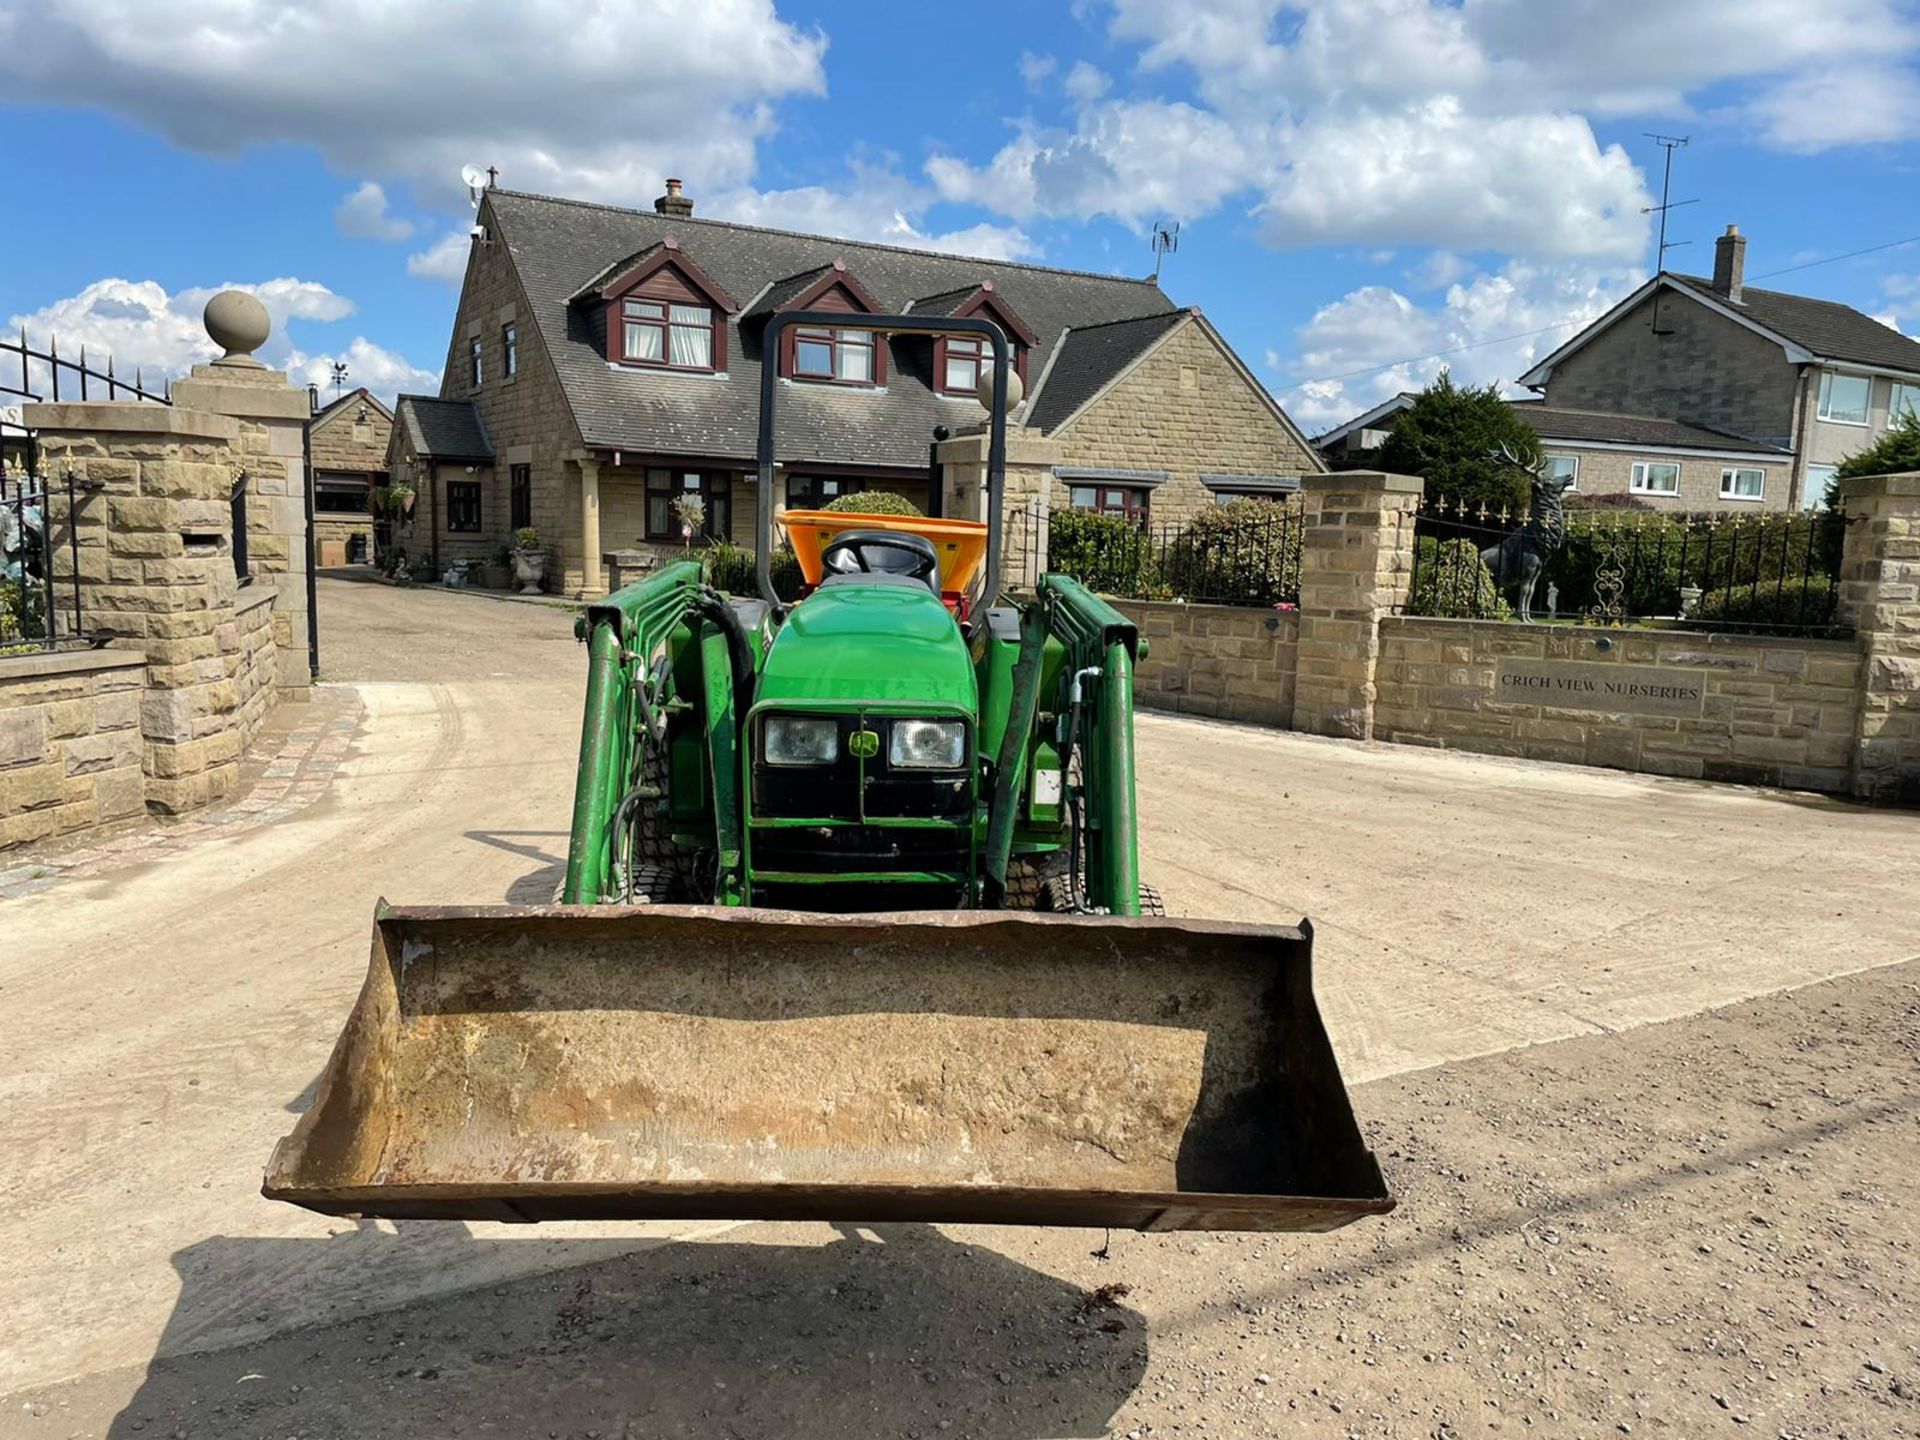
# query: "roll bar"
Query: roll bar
{"points": [[881, 325]]}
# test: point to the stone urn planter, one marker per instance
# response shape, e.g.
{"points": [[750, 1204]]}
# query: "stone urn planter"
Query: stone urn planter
{"points": [[530, 570]]}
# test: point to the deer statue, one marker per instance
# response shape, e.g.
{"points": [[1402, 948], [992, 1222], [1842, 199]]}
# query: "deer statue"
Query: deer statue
{"points": [[1516, 562]]}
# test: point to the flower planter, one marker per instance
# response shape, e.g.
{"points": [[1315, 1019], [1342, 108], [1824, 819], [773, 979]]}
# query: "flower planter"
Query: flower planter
{"points": [[530, 569], [494, 577]]}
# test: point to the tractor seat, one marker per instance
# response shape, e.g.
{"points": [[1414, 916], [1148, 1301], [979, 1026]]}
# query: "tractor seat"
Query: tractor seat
{"points": [[884, 556]]}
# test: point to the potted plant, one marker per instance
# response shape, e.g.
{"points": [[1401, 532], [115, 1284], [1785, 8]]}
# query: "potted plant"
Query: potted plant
{"points": [[529, 560], [496, 571]]}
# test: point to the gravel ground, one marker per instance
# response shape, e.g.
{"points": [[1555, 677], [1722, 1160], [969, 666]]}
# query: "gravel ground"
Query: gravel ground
{"points": [[1689, 1229]]}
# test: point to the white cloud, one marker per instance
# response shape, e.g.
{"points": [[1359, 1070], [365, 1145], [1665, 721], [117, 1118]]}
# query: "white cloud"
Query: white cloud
{"points": [[1442, 267], [1131, 160], [382, 371], [157, 334], [1854, 105], [601, 101], [877, 204], [1035, 68], [445, 259], [1374, 342], [363, 215], [1086, 83], [1540, 185]]}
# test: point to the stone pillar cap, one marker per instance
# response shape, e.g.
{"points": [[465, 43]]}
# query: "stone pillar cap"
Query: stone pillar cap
{"points": [[238, 323]]}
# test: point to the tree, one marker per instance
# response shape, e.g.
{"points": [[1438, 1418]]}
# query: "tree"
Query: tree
{"points": [[1451, 435], [1896, 451]]}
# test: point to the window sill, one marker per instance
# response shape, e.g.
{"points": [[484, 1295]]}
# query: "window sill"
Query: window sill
{"points": [[826, 383], [648, 367], [1850, 424], [1745, 499]]}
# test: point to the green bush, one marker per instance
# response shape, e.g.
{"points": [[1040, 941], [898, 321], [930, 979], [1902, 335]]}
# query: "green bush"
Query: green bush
{"points": [[1452, 435], [1794, 605], [1658, 554], [1107, 553], [730, 569], [1452, 582], [1245, 551], [1894, 452], [874, 502]]}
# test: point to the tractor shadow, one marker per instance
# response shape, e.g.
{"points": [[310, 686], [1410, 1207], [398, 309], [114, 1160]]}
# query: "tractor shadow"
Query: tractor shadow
{"points": [[894, 1330], [536, 887]]}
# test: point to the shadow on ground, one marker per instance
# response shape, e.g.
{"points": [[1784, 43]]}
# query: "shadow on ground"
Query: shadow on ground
{"points": [[897, 1331], [536, 887]]}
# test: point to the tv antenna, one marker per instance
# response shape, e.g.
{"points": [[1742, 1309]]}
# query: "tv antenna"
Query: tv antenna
{"points": [[1668, 143], [477, 180], [339, 377], [1166, 240]]}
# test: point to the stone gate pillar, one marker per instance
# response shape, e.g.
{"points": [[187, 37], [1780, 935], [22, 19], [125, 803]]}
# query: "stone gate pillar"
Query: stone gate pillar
{"points": [[1880, 598], [273, 414], [154, 524], [1027, 501], [1355, 566]]}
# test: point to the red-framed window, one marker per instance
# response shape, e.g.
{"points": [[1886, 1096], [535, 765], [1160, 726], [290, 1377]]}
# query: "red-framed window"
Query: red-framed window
{"points": [[960, 360], [665, 333], [1130, 502], [841, 357]]}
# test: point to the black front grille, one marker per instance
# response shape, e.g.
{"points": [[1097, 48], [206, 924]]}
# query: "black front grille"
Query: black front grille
{"points": [[832, 792], [817, 850]]}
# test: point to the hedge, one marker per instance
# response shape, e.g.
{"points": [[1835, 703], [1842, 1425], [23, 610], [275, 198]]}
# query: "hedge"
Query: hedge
{"points": [[1452, 582]]}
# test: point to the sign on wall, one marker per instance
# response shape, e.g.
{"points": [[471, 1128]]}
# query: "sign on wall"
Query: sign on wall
{"points": [[1592, 685]]}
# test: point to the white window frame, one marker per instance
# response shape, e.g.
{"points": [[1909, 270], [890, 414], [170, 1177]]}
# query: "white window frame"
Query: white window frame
{"points": [[1826, 399], [1815, 485], [1728, 481], [1573, 460], [1902, 397], [1639, 486]]}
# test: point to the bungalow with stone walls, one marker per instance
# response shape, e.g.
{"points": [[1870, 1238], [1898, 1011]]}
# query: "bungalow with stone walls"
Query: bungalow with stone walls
{"points": [[348, 441], [606, 361]]}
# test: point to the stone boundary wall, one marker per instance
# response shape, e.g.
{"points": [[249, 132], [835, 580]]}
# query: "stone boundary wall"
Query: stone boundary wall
{"points": [[253, 662], [1230, 661], [1758, 710], [69, 742]]}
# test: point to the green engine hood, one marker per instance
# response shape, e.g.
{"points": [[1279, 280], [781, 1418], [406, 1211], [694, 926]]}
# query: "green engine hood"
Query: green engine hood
{"points": [[890, 643]]}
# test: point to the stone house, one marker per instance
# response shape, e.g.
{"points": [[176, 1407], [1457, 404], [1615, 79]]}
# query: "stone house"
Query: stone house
{"points": [[1814, 380], [606, 361], [348, 442], [1667, 463]]}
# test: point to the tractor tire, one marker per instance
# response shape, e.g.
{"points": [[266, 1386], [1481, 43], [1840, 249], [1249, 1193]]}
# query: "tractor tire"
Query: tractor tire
{"points": [[662, 871], [1027, 878], [1056, 896]]}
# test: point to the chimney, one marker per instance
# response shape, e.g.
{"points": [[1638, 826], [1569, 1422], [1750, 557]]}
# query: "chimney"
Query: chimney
{"points": [[1729, 263], [673, 204]]}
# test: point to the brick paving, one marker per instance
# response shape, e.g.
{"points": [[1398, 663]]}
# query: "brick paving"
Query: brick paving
{"points": [[290, 769]]}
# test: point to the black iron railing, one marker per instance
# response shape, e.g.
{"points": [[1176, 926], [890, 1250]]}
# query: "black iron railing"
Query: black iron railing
{"points": [[1247, 553], [1770, 573], [31, 613], [35, 374]]}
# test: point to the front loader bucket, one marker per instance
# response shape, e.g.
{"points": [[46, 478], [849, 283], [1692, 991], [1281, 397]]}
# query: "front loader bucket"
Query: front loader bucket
{"points": [[563, 1062]]}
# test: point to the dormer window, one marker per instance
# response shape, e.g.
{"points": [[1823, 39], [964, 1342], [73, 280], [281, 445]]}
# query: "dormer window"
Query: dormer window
{"points": [[658, 332], [960, 360], [960, 375], [662, 310], [842, 355]]}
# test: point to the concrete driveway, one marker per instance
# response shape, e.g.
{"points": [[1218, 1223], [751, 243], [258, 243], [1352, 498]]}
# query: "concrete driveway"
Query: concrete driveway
{"points": [[160, 1024]]}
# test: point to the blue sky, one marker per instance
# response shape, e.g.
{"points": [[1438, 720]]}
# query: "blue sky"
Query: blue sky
{"points": [[1362, 186]]}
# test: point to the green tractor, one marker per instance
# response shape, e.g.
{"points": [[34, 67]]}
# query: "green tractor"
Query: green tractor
{"points": [[852, 929]]}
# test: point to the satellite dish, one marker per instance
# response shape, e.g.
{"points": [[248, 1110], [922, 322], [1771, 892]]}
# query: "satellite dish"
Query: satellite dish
{"points": [[475, 179]]}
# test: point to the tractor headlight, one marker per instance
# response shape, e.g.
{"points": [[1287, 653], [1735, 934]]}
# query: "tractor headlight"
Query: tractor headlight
{"points": [[801, 740], [928, 745]]}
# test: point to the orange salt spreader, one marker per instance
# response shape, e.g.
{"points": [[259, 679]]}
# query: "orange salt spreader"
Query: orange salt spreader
{"points": [[961, 545]]}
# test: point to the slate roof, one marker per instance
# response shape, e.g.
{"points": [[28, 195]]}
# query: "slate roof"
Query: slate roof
{"points": [[437, 429], [1089, 357], [556, 245], [1552, 423], [335, 405], [944, 303], [781, 291], [1826, 327]]}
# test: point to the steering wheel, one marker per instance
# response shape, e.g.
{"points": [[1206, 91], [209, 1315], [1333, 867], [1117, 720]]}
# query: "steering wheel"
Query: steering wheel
{"points": [[880, 552]]}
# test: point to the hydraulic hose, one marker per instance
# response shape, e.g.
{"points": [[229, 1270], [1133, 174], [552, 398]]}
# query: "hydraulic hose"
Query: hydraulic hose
{"points": [[715, 607]]}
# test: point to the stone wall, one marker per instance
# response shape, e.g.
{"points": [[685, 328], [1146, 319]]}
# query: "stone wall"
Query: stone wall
{"points": [[1880, 595], [1760, 710], [1232, 662], [70, 746]]}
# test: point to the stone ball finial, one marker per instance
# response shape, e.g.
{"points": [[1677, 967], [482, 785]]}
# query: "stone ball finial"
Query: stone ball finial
{"points": [[983, 388], [237, 322]]}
